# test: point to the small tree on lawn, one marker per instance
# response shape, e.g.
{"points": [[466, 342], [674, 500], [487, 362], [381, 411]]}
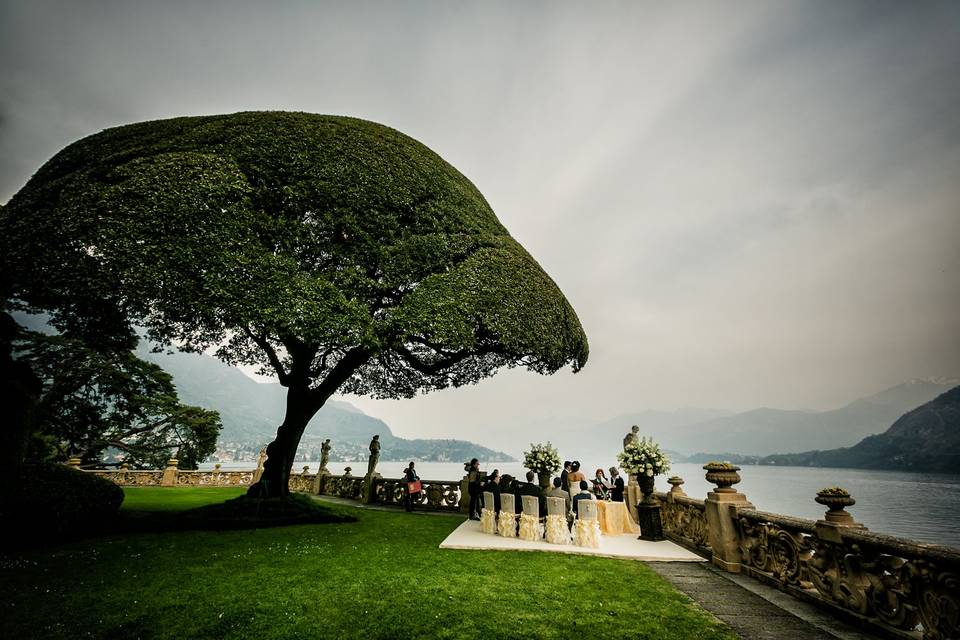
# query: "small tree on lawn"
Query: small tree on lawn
{"points": [[337, 254]]}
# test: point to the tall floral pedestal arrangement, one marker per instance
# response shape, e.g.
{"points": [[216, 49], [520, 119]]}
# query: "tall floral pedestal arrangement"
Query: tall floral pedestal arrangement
{"points": [[645, 460], [543, 460]]}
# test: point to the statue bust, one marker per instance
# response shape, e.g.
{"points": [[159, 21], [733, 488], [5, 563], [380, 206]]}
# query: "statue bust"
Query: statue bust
{"points": [[632, 437], [374, 455]]}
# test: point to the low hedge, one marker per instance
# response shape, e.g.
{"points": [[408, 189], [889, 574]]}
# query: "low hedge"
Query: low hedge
{"points": [[47, 500]]}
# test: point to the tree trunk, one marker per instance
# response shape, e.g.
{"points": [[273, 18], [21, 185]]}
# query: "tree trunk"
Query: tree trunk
{"points": [[281, 452], [302, 404]]}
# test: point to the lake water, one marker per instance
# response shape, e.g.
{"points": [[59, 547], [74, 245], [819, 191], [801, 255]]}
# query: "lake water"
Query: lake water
{"points": [[924, 507]]}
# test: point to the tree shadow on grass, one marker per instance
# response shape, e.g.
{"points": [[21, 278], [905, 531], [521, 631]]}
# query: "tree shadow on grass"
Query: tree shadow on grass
{"points": [[38, 530], [239, 513]]}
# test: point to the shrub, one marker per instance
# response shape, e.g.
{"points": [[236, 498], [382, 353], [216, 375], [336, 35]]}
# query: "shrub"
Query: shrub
{"points": [[47, 501]]}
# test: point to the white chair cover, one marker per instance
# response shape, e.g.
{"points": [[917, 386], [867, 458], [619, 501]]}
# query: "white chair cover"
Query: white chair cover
{"points": [[586, 530], [530, 528], [556, 525], [507, 521], [488, 517]]}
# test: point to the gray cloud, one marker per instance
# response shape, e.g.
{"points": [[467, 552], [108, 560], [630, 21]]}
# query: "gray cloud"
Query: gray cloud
{"points": [[747, 203]]}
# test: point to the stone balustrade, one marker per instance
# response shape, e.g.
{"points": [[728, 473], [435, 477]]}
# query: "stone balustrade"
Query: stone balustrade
{"points": [[894, 587], [437, 495]]}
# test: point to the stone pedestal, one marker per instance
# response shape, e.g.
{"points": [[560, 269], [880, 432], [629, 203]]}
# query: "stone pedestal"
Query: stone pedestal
{"points": [[169, 477], [632, 496], [648, 517], [368, 491], [320, 481], [720, 510], [465, 495]]}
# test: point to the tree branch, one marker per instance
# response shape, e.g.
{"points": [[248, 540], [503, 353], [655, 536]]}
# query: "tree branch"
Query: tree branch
{"points": [[264, 344]]}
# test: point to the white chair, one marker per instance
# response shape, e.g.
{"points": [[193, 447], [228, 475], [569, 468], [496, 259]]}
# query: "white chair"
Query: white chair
{"points": [[586, 530], [488, 517], [507, 521], [556, 525], [530, 527]]}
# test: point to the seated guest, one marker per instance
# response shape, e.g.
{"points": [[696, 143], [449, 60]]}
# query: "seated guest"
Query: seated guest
{"points": [[575, 476], [529, 488], [600, 485], [493, 486], [564, 481], [583, 495], [556, 492], [616, 485]]}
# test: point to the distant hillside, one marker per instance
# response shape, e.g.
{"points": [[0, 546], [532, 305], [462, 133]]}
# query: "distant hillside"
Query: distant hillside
{"points": [[926, 439], [251, 412], [766, 431]]}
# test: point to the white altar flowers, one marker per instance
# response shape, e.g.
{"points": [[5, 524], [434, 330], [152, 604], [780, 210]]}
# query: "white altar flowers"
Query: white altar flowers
{"points": [[644, 458], [542, 458]]}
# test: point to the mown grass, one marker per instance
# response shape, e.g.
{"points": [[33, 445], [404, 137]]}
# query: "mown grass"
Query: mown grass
{"points": [[380, 577]]}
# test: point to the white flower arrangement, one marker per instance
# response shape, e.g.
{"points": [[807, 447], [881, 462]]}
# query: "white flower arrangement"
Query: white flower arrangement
{"points": [[644, 457], [542, 458]]}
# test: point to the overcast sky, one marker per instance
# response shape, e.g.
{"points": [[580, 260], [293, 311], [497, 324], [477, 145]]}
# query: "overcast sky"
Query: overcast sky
{"points": [[748, 204]]}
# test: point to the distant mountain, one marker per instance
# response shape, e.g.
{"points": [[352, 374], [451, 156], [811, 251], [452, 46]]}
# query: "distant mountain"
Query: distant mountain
{"points": [[926, 439], [251, 411], [766, 431]]}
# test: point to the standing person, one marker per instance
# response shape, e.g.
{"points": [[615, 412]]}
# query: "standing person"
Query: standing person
{"points": [[601, 487], [575, 476], [493, 486], [473, 488], [616, 485], [583, 495], [564, 475], [410, 476]]}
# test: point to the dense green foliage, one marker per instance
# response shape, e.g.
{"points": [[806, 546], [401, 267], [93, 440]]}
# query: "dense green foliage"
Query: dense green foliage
{"points": [[339, 254], [382, 577], [98, 402], [52, 500], [285, 232]]}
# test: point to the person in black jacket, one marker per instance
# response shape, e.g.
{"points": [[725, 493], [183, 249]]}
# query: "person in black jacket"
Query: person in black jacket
{"points": [[409, 475], [564, 483], [493, 486], [473, 488], [616, 482], [528, 488]]}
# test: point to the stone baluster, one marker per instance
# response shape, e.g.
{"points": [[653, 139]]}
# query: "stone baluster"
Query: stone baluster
{"points": [[720, 510], [169, 477]]}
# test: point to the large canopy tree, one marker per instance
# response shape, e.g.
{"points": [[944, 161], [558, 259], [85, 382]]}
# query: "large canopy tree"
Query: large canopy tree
{"points": [[336, 253]]}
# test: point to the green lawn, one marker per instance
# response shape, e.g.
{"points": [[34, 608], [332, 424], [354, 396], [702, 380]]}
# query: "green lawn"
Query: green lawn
{"points": [[380, 577], [175, 499]]}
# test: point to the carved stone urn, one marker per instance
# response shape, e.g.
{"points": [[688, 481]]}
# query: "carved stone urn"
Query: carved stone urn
{"points": [[722, 474], [646, 487], [836, 500]]}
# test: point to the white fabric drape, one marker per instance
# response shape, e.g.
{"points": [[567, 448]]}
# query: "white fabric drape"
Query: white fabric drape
{"points": [[488, 521], [557, 532], [507, 524]]}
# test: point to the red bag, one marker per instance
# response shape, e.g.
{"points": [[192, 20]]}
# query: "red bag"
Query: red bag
{"points": [[414, 487]]}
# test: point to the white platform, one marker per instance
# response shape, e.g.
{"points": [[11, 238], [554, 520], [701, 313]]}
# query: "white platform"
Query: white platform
{"points": [[469, 536]]}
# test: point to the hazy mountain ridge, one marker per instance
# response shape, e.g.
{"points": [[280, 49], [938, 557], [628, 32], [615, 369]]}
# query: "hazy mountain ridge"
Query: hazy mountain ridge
{"points": [[251, 411], [766, 431], [925, 439]]}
